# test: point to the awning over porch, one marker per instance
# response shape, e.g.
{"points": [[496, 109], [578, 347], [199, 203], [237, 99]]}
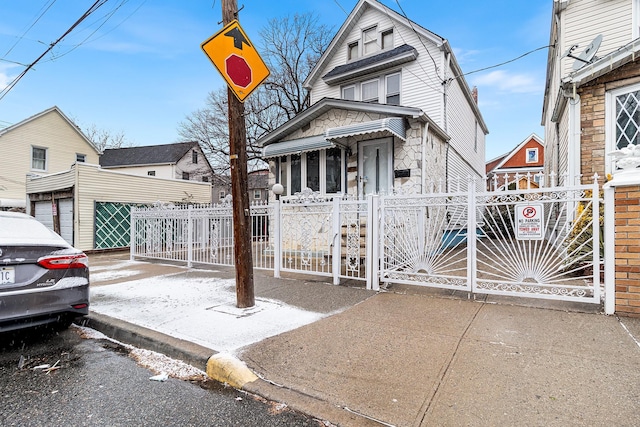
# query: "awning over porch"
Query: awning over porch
{"points": [[392, 125], [295, 146]]}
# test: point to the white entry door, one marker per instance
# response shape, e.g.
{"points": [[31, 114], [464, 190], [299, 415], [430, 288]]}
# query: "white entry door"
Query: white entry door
{"points": [[375, 166]]}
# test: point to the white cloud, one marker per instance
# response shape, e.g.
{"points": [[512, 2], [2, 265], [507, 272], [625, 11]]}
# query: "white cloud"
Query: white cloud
{"points": [[505, 82], [5, 77], [465, 56]]}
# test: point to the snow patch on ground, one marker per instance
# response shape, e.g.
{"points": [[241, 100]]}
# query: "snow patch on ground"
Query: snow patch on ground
{"points": [[104, 276], [200, 310], [155, 362]]}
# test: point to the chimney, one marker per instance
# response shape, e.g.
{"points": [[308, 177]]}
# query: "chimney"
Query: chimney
{"points": [[474, 94]]}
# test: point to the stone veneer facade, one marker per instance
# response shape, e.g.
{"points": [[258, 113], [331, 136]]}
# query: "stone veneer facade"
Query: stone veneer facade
{"points": [[407, 154]]}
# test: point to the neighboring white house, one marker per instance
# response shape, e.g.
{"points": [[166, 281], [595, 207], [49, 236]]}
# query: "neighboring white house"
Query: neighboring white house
{"points": [[390, 110], [183, 160], [593, 85], [44, 143]]}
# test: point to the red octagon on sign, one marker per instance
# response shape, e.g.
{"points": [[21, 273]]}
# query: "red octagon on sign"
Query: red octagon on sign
{"points": [[238, 70]]}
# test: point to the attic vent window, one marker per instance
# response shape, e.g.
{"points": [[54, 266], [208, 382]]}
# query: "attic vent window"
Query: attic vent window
{"points": [[81, 158], [352, 51], [194, 157], [387, 39]]}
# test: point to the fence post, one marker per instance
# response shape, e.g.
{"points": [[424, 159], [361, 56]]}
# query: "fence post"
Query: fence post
{"points": [[336, 244], [189, 239], [277, 241], [471, 235], [132, 236], [609, 249], [374, 244]]}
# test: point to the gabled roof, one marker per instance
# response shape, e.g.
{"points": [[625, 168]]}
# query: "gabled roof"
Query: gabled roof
{"points": [[500, 161], [45, 112], [146, 155], [351, 22], [327, 104]]}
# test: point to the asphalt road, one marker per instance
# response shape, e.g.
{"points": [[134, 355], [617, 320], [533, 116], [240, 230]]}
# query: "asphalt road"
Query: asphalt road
{"points": [[98, 384]]}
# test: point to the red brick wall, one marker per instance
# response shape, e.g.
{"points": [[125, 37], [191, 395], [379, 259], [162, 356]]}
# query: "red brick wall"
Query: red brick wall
{"points": [[592, 117], [627, 243]]}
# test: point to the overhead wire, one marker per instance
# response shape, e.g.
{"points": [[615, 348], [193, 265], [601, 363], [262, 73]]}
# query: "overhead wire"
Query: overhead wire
{"points": [[411, 72], [89, 11], [442, 80], [105, 18], [42, 12]]}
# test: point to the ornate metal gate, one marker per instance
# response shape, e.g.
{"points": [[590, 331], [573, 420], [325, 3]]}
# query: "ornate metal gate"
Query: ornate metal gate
{"points": [[542, 242]]}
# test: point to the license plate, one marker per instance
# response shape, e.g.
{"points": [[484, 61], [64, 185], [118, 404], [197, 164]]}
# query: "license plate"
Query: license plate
{"points": [[7, 275]]}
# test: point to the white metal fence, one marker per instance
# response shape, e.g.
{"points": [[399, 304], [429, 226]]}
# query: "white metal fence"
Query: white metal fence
{"points": [[542, 242]]}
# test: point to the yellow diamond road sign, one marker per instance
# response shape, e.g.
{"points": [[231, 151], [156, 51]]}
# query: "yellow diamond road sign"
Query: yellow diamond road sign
{"points": [[236, 59]]}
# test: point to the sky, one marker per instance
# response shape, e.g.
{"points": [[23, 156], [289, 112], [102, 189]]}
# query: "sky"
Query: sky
{"points": [[136, 66]]}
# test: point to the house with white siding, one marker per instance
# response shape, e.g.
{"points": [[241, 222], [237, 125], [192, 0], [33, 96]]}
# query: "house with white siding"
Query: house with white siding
{"points": [[45, 143], [592, 86], [390, 110], [181, 160]]}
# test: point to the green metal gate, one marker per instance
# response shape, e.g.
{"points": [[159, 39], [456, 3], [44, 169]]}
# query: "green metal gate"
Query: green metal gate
{"points": [[112, 224]]}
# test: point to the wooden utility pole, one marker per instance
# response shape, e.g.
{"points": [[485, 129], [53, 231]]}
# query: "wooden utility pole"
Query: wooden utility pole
{"points": [[239, 191]]}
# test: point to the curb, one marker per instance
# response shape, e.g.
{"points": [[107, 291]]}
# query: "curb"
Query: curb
{"points": [[191, 353], [223, 368]]}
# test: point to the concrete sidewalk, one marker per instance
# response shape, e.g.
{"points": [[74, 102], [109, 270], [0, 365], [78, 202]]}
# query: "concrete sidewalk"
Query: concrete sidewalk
{"points": [[405, 357]]}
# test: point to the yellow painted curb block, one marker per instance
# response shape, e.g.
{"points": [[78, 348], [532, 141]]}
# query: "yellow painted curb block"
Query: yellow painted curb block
{"points": [[225, 368]]}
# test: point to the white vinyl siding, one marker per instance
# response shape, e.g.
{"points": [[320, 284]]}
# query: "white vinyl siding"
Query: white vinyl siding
{"points": [[463, 130], [48, 130], [420, 87], [583, 20]]}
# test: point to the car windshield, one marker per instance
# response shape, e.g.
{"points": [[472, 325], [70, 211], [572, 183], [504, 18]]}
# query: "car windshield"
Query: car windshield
{"points": [[25, 230]]}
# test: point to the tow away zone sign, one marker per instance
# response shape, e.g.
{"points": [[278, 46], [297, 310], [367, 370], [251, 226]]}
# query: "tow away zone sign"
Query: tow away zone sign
{"points": [[529, 221]]}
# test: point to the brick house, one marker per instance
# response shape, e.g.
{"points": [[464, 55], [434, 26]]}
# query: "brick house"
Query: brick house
{"points": [[590, 109]]}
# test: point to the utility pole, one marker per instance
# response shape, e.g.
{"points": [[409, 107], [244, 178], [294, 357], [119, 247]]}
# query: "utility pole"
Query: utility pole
{"points": [[239, 191]]}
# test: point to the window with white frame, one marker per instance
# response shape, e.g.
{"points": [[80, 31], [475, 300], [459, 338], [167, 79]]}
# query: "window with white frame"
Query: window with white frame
{"points": [[39, 158], [194, 157], [349, 93], [370, 41], [392, 83], [81, 158], [623, 119], [221, 195], [386, 39], [257, 194], [532, 155], [352, 51], [321, 171], [369, 91]]}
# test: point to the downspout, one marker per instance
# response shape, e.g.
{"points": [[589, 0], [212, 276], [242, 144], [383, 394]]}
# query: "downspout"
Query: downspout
{"points": [[425, 132], [445, 83]]}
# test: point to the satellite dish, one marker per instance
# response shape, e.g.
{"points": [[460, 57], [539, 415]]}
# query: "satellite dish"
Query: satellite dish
{"points": [[586, 56]]}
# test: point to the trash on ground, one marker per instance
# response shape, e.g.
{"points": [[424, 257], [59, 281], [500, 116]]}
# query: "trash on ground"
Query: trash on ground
{"points": [[160, 377]]}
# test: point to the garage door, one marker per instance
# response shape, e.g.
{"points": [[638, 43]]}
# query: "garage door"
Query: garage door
{"points": [[44, 214]]}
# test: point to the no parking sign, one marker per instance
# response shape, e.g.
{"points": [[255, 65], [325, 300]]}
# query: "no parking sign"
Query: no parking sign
{"points": [[529, 221]]}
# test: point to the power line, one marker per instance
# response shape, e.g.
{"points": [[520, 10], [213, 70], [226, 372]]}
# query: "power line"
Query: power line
{"points": [[46, 8], [506, 62], [106, 18], [89, 11]]}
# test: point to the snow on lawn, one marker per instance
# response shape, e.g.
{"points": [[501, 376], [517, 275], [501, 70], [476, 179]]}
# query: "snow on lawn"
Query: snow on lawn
{"points": [[104, 276], [199, 310]]}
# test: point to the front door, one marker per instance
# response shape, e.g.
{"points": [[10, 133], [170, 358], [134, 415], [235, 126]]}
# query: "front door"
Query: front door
{"points": [[375, 166]]}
